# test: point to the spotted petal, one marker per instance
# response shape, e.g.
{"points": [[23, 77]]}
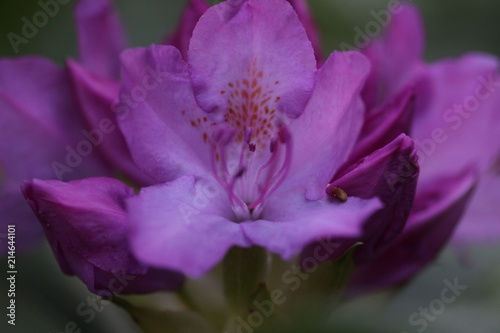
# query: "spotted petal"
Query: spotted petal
{"points": [[158, 114], [252, 49]]}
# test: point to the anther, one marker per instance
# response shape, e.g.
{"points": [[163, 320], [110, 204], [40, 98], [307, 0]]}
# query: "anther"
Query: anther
{"points": [[273, 145], [283, 134], [338, 193], [240, 173]]}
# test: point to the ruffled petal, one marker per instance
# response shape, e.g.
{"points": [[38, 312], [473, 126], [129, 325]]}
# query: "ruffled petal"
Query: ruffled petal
{"points": [[288, 229], [86, 225], [196, 8], [391, 175], [97, 97], [183, 225], [100, 37], [162, 124], [253, 48], [326, 132], [396, 57]]}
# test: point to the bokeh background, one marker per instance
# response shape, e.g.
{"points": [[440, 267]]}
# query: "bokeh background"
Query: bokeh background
{"points": [[47, 300]]}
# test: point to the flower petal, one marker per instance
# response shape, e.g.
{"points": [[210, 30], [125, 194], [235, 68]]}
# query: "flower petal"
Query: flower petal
{"points": [[326, 132], [288, 229], [425, 234], [97, 96], [384, 124], [182, 35], [396, 57], [183, 225], [480, 221], [196, 8], [302, 9], [37, 133], [457, 118], [158, 115], [100, 37], [73, 216], [391, 175], [252, 45], [86, 225]]}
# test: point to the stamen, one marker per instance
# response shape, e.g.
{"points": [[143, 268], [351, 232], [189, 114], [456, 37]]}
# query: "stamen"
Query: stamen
{"points": [[274, 180], [221, 138]]}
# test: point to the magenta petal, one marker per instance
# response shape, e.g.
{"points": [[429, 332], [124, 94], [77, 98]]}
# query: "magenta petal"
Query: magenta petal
{"points": [[100, 37], [396, 57], [38, 129], [182, 35], [391, 175], [457, 116], [97, 97], [14, 211], [183, 225], [302, 9], [429, 227], [384, 124], [326, 132], [158, 114], [288, 229], [480, 221], [196, 8], [256, 46], [86, 225]]}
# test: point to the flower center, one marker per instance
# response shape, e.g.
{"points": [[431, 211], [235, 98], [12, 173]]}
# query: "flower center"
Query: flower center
{"points": [[251, 146]]}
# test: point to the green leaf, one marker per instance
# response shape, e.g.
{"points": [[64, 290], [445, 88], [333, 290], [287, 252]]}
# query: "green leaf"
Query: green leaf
{"points": [[164, 321], [319, 290], [243, 270], [331, 277]]}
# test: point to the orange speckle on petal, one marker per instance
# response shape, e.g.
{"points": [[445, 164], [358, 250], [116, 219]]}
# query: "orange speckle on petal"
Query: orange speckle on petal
{"points": [[265, 101], [256, 92]]}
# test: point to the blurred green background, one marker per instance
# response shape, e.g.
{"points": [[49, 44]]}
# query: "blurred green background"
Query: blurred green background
{"points": [[47, 300]]}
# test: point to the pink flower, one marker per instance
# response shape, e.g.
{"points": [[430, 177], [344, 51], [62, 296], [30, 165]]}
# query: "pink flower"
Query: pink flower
{"points": [[450, 109]]}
